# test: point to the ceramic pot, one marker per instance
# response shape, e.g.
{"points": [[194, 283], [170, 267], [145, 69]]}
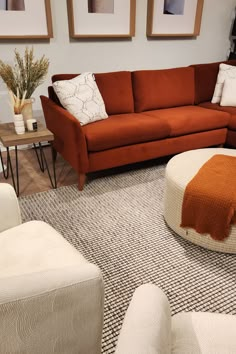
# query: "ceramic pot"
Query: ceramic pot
{"points": [[19, 124], [27, 110]]}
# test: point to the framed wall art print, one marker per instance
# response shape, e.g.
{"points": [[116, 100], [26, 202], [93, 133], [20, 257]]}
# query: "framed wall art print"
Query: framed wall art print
{"points": [[174, 18], [25, 19], [101, 18]]}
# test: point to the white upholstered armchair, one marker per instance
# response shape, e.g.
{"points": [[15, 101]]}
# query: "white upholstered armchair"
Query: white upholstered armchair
{"points": [[51, 298], [148, 328]]}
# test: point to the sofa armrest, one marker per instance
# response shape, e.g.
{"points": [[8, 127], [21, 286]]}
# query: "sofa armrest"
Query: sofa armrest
{"points": [[69, 138], [147, 324], [9, 208]]}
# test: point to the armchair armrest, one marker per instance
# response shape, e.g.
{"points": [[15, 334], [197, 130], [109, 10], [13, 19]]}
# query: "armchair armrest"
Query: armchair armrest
{"points": [[69, 140], [9, 208], [147, 324], [51, 298]]}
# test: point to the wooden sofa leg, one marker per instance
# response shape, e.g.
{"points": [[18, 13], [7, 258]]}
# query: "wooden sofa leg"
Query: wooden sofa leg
{"points": [[81, 181]]}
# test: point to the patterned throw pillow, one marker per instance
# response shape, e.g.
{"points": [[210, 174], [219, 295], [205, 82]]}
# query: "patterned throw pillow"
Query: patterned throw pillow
{"points": [[81, 97], [225, 72]]}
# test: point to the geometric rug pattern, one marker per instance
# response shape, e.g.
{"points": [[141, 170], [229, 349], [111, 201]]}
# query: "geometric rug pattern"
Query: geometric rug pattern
{"points": [[117, 223]]}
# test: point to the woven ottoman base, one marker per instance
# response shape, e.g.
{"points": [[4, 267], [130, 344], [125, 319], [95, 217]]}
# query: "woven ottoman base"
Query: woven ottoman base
{"points": [[179, 171]]}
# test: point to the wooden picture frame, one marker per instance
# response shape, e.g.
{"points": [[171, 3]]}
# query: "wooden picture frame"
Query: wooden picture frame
{"points": [[31, 19], [118, 20], [165, 20]]}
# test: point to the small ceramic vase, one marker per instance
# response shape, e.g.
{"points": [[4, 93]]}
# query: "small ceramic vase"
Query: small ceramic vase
{"points": [[19, 124]]}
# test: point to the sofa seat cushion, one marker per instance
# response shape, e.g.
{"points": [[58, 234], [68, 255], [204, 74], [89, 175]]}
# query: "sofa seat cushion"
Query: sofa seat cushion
{"points": [[230, 110], [124, 129], [206, 333], [155, 89], [191, 119]]}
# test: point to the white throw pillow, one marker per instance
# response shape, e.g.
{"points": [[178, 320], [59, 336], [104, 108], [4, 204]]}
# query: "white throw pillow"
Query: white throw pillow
{"points": [[82, 98], [225, 72], [228, 97]]}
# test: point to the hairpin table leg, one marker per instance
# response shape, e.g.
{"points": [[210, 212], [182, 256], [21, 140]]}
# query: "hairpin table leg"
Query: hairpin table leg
{"points": [[44, 165], [9, 164], [39, 157], [9, 168]]}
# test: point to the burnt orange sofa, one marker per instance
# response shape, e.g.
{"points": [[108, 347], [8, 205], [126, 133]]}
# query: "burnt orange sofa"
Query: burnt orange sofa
{"points": [[152, 113]]}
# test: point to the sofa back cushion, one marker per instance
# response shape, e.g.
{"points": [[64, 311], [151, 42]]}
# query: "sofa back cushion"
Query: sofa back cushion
{"points": [[53, 96], [154, 89], [115, 88], [205, 76]]}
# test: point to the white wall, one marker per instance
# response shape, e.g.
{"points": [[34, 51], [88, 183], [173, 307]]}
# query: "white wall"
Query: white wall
{"points": [[99, 55]]}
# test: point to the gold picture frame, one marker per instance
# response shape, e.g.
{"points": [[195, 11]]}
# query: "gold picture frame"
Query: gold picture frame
{"points": [[33, 20], [116, 22], [185, 21]]}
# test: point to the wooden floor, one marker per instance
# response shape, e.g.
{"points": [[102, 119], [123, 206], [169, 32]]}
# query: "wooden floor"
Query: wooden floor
{"points": [[32, 180]]}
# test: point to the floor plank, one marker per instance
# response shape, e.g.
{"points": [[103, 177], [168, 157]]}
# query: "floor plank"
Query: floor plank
{"points": [[32, 180]]}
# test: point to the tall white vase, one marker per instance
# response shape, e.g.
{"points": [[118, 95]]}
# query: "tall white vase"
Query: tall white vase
{"points": [[19, 124]]}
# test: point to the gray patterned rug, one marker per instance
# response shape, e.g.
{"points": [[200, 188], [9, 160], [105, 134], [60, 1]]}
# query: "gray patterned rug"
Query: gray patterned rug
{"points": [[117, 223]]}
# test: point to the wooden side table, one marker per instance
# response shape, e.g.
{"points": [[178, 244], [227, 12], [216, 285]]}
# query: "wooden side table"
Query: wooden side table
{"points": [[9, 138]]}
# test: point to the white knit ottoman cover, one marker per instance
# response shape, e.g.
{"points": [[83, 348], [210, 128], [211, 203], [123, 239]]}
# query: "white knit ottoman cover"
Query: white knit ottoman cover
{"points": [[179, 171]]}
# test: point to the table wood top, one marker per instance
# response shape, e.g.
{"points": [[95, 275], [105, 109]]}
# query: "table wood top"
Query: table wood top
{"points": [[8, 136]]}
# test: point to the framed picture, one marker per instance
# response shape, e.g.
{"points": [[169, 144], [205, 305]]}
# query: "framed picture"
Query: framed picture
{"points": [[25, 19], [101, 18], [180, 18]]}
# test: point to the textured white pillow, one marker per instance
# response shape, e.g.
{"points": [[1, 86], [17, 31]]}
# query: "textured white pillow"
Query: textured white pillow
{"points": [[228, 97], [225, 72], [82, 98]]}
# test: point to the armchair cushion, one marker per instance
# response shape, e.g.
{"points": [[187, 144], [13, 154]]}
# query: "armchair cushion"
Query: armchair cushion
{"points": [[202, 332], [37, 247]]}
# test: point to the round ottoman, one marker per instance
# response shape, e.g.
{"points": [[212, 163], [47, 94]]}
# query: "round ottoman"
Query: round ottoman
{"points": [[179, 171]]}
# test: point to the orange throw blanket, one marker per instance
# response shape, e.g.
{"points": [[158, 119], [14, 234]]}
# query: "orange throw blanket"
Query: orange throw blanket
{"points": [[209, 203]]}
